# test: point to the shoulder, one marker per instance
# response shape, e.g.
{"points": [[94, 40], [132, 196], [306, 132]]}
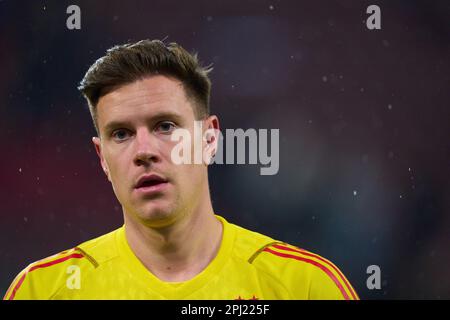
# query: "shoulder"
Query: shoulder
{"points": [[41, 279], [44, 278], [247, 243], [101, 249], [306, 275]]}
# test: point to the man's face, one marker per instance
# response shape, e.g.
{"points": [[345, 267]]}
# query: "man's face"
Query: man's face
{"points": [[135, 124]]}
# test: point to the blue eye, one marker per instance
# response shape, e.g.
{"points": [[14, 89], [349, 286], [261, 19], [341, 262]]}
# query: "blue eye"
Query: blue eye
{"points": [[120, 134], [166, 127]]}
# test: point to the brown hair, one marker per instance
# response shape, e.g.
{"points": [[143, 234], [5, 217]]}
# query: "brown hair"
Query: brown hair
{"points": [[124, 64]]}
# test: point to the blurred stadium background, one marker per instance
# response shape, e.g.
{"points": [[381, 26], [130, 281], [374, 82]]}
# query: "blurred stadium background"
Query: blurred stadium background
{"points": [[363, 116]]}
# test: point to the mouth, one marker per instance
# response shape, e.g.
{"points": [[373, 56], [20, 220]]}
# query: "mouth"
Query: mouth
{"points": [[150, 184]]}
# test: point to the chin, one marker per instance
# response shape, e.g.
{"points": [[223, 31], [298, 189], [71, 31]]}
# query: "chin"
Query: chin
{"points": [[157, 216]]}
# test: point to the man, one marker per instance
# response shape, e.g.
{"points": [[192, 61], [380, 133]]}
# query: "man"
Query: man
{"points": [[172, 244]]}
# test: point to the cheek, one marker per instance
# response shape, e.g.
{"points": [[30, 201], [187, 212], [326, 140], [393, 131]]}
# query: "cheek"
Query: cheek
{"points": [[118, 168], [165, 150], [192, 175]]}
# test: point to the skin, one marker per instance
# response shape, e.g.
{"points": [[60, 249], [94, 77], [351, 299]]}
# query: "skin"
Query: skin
{"points": [[174, 233]]}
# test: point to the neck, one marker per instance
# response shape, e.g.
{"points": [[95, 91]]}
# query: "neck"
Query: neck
{"points": [[180, 251]]}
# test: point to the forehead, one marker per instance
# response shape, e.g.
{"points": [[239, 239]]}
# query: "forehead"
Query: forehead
{"points": [[143, 98]]}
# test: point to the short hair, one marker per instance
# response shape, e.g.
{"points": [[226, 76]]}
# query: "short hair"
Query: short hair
{"points": [[127, 63]]}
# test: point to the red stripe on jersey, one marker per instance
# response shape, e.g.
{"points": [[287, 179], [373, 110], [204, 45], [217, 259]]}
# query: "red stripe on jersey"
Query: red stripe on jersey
{"points": [[306, 253], [315, 263], [43, 265], [7, 292]]}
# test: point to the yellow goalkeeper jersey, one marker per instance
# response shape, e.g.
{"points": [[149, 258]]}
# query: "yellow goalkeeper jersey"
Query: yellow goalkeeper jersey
{"points": [[247, 266]]}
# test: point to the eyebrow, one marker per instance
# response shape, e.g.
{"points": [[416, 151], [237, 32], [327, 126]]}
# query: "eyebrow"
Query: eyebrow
{"points": [[165, 115]]}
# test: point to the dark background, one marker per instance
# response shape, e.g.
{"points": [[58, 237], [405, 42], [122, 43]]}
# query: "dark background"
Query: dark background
{"points": [[363, 118]]}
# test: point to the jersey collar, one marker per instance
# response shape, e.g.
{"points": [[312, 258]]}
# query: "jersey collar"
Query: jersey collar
{"points": [[178, 290]]}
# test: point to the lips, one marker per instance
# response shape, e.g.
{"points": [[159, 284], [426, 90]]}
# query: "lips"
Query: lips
{"points": [[149, 180]]}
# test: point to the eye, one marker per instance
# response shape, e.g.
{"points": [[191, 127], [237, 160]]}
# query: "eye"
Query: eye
{"points": [[120, 134], [165, 127]]}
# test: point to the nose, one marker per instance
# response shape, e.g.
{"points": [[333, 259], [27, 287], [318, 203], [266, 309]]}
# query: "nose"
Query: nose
{"points": [[146, 148]]}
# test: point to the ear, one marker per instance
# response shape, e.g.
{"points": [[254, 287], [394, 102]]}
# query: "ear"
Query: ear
{"points": [[210, 138], [98, 148]]}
